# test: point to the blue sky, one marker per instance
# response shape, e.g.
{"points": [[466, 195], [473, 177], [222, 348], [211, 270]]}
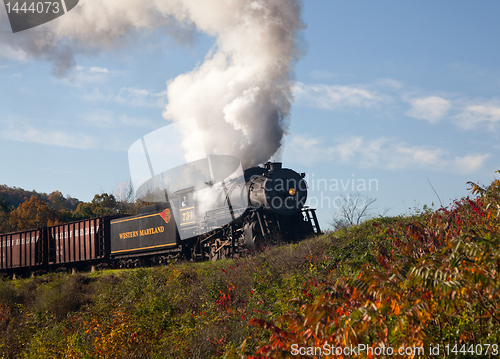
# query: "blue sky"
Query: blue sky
{"points": [[400, 93]]}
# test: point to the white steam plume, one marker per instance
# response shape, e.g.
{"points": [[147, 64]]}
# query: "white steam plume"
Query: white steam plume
{"points": [[241, 94]]}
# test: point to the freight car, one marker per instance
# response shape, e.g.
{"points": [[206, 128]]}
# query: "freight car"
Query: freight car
{"points": [[266, 206], [79, 244]]}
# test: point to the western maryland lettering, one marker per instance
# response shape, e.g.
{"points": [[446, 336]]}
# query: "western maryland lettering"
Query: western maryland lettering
{"points": [[130, 234], [155, 230], [142, 232]]}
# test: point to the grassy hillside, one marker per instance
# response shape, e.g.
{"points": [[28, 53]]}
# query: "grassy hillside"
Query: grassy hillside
{"points": [[433, 291], [193, 310], [401, 282]]}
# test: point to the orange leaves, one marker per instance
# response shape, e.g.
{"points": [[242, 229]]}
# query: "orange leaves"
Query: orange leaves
{"points": [[436, 282], [396, 309], [32, 214]]}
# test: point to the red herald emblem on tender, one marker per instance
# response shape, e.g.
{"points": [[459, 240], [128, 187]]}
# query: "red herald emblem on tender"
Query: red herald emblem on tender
{"points": [[165, 215]]}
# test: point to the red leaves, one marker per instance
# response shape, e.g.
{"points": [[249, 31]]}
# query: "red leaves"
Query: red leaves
{"points": [[383, 261], [225, 299], [437, 282], [426, 295]]}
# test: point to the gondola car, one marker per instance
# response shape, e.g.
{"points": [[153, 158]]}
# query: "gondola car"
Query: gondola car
{"points": [[24, 249], [79, 245]]}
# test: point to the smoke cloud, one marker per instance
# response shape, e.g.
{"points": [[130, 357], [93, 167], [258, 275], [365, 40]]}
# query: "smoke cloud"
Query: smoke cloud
{"points": [[240, 95]]}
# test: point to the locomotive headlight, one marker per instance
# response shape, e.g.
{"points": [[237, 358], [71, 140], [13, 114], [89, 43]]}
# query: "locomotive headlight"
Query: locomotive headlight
{"points": [[292, 191]]}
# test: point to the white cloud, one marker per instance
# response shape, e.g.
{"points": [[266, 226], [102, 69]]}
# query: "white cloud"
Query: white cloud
{"points": [[334, 97], [347, 149], [128, 95], [473, 115], [457, 110], [126, 120], [461, 112], [143, 97], [307, 150], [135, 91], [400, 155], [108, 119], [81, 76], [389, 83], [381, 153], [99, 118], [26, 131], [13, 54], [432, 108], [98, 70], [470, 163]]}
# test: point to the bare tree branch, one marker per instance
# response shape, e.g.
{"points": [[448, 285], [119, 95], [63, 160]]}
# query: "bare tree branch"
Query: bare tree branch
{"points": [[352, 210]]}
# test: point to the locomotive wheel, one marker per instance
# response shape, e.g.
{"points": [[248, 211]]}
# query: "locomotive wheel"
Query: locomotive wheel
{"points": [[219, 250], [224, 252], [213, 253]]}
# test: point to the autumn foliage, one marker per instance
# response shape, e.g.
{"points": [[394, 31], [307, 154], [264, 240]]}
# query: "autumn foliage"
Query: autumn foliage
{"points": [[401, 282], [22, 210], [33, 214], [435, 282]]}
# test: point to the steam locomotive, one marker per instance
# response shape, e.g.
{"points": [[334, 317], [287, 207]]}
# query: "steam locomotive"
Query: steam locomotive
{"points": [[265, 206]]}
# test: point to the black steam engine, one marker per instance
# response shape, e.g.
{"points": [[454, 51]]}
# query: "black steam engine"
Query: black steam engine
{"points": [[266, 206]]}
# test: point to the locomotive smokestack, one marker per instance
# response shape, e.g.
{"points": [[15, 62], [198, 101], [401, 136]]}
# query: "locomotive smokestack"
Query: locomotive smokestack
{"points": [[274, 166]]}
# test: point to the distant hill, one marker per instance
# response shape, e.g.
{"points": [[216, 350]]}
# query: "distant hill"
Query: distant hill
{"points": [[14, 196]]}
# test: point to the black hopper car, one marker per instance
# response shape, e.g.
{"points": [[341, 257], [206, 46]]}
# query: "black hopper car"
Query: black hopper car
{"points": [[266, 208]]}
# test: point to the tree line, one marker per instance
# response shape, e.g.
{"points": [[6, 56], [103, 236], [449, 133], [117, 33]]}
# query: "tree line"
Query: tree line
{"points": [[22, 210]]}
